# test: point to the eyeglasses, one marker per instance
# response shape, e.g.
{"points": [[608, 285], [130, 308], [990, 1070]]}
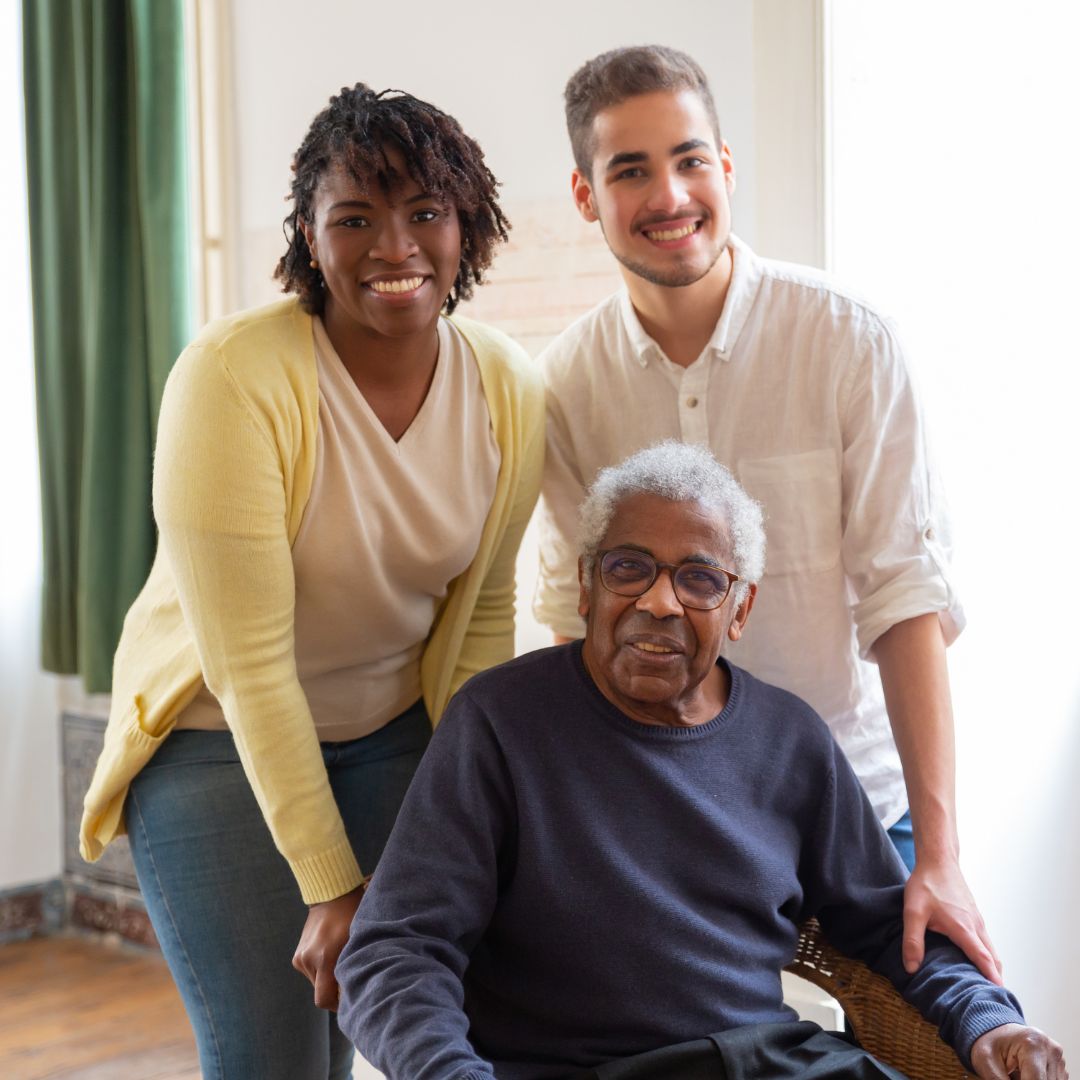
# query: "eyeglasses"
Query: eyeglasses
{"points": [[626, 572]]}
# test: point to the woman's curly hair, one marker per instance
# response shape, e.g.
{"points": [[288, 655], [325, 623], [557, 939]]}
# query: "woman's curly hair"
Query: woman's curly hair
{"points": [[355, 130]]}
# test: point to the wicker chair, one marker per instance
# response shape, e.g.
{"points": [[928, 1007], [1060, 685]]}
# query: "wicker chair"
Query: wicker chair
{"points": [[883, 1022]]}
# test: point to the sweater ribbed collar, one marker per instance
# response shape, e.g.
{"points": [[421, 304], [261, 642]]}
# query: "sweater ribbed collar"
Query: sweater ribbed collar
{"points": [[620, 720]]}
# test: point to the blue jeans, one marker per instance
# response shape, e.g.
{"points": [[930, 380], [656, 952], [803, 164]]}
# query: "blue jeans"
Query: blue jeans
{"points": [[227, 909], [901, 836]]}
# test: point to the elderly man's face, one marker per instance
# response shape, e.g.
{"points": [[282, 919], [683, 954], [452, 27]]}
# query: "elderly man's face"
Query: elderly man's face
{"points": [[649, 655]]}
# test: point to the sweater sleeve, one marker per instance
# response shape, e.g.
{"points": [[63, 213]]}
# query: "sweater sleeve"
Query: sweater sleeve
{"points": [[220, 480], [402, 998], [854, 884]]}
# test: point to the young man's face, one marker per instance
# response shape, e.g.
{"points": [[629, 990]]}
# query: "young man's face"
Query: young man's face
{"points": [[660, 187]]}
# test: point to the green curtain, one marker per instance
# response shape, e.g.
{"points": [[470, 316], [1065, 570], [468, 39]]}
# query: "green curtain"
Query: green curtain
{"points": [[106, 163]]}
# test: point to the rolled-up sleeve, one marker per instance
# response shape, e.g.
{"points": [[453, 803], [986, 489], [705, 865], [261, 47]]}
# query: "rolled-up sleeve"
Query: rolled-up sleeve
{"points": [[897, 542]]}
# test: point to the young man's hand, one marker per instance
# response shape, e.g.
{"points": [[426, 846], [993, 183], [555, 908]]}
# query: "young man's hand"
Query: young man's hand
{"points": [[1021, 1052], [325, 933], [937, 898]]}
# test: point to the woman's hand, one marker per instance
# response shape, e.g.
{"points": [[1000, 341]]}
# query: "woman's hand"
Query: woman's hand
{"points": [[324, 936]]}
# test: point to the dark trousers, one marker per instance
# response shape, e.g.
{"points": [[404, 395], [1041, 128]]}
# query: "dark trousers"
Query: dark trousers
{"points": [[796, 1051]]}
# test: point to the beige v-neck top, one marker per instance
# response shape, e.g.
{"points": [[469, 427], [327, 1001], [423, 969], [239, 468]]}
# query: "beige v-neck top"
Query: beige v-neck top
{"points": [[388, 526]]}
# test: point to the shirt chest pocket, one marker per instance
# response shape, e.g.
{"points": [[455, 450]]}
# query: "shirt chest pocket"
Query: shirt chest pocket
{"points": [[801, 497]]}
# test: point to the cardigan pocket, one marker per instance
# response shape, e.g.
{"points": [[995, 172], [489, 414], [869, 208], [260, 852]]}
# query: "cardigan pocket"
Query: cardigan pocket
{"points": [[128, 747], [141, 730]]}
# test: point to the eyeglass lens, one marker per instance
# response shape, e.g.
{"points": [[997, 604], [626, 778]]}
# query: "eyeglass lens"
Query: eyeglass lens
{"points": [[631, 573]]}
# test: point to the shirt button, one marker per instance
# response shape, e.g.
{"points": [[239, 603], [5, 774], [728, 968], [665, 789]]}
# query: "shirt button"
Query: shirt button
{"points": [[691, 402], [929, 533]]}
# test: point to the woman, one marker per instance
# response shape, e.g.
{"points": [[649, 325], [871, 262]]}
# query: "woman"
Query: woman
{"points": [[341, 482]]}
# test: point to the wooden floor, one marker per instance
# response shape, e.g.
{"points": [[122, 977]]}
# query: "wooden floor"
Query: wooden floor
{"points": [[66, 1013], [67, 1007]]}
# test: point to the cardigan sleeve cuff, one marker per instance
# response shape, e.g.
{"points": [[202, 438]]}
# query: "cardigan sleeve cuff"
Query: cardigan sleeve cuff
{"points": [[327, 875]]}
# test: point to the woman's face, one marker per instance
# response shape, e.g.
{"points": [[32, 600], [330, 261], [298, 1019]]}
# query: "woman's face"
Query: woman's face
{"points": [[389, 262]]}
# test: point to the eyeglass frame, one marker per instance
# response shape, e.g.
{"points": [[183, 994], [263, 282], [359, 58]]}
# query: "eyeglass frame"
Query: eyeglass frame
{"points": [[674, 568]]}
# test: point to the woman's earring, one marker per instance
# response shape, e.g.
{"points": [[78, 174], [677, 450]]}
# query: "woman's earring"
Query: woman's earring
{"points": [[314, 264]]}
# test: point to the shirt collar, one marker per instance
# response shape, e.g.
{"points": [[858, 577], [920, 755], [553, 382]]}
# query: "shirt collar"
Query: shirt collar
{"points": [[644, 347], [742, 291]]}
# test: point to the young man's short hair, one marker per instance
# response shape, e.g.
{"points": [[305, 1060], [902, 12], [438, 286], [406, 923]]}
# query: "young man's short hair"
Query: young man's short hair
{"points": [[612, 77]]}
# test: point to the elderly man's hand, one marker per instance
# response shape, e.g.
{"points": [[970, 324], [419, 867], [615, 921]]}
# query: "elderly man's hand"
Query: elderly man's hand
{"points": [[937, 898], [1015, 1051]]}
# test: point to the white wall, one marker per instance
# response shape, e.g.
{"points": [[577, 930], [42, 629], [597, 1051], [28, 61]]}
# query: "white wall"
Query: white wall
{"points": [[499, 68], [955, 204], [29, 744], [789, 118]]}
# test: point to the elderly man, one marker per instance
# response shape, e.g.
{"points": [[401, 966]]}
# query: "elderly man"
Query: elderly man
{"points": [[602, 864]]}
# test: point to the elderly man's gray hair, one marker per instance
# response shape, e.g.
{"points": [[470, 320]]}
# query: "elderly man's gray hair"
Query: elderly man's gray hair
{"points": [[682, 473]]}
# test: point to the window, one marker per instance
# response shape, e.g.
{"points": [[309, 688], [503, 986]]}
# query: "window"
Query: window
{"points": [[953, 204]]}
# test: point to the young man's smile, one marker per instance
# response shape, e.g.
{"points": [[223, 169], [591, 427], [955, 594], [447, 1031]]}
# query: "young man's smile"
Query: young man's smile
{"points": [[673, 233]]}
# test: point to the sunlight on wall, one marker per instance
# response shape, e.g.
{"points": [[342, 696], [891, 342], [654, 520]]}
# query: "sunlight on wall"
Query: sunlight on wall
{"points": [[954, 206]]}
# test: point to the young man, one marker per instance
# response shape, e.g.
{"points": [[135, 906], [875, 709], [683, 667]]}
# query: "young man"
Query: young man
{"points": [[803, 390]]}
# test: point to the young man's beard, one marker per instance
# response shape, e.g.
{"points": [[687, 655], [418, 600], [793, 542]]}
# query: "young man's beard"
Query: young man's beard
{"points": [[669, 277]]}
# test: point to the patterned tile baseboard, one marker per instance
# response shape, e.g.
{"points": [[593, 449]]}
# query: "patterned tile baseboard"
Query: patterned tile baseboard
{"points": [[80, 905], [31, 910], [117, 913]]}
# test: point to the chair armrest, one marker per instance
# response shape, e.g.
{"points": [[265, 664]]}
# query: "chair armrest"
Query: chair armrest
{"points": [[883, 1022]]}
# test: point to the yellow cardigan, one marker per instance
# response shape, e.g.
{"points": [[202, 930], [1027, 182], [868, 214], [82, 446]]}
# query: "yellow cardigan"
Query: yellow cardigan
{"points": [[233, 472]]}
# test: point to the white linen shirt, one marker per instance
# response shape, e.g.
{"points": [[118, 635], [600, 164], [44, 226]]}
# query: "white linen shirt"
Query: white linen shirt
{"points": [[803, 393]]}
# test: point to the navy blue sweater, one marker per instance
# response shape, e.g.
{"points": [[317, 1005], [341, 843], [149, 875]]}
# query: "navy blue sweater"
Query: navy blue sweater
{"points": [[565, 886]]}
